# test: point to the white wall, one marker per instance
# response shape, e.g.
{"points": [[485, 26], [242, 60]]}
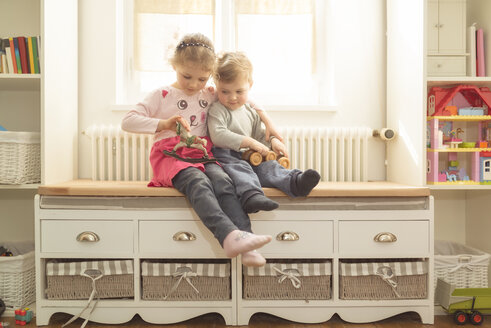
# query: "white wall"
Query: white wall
{"points": [[16, 215], [360, 74]]}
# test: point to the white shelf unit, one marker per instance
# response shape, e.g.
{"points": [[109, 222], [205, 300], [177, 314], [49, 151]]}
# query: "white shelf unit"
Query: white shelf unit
{"points": [[460, 209], [476, 11], [47, 102]]}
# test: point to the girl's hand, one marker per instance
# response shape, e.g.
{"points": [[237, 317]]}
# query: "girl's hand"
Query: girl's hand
{"points": [[171, 123], [279, 147], [268, 124]]}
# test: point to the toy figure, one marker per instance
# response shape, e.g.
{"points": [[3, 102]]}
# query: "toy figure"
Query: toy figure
{"points": [[190, 141], [455, 134]]}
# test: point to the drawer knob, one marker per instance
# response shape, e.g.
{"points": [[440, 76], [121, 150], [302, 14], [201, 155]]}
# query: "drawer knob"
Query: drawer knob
{"points": [[287, 236], [184, 236], [88, 236], [385, 237]]}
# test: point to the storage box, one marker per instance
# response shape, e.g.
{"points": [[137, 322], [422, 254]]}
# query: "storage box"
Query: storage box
{"points": [[74, 280], [383, 280], [290, 280], [181, 281], [461, 266], [17, 280], [20, 157]]}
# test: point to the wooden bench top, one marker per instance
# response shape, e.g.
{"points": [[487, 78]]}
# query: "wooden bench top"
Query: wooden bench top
{"points": [[139, 188]]}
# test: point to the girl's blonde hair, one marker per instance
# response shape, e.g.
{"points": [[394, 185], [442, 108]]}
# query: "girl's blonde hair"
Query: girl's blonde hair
{"points": [[195, 48], [232, 65]]}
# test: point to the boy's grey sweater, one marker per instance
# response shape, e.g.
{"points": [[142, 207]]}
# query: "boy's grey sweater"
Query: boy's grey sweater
{"points": [[227, 128]]}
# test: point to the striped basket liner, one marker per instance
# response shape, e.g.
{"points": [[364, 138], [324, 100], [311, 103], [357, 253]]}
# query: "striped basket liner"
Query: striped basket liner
{"points": [[288, 280], [66, 280], [376, 280], [186, 281]]}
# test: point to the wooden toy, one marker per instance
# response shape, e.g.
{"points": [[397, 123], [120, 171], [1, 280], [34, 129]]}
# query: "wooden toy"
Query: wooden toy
{"points": [[255, 158], [284, 161]]}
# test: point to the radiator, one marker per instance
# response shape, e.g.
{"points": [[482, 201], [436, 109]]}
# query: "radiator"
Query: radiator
{"points": [[338, 154]]}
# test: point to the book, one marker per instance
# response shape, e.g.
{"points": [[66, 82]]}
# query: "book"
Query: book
{"points": [[481, 69], [8, 53], [23, 54], [3, 68], [12, 50], [27, 56], [35, 52], [471, 49], [31, 55], [17, 55]]}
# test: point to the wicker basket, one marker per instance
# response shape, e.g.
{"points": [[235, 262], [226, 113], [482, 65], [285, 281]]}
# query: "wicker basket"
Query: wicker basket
{"points": [[17, 280], [377, 280], [74, 280], [186, 281], [460, 265], [20, 157], [288, 280]]}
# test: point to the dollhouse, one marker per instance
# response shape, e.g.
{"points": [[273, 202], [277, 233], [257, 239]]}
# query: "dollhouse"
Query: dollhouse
{"points": [[459, 135]]}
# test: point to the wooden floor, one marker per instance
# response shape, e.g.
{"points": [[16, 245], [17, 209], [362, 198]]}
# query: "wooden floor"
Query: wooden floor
{"points": [[407, 320]]}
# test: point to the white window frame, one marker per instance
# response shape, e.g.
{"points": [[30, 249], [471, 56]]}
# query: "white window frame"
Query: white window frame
{"points": [[225, 41]]}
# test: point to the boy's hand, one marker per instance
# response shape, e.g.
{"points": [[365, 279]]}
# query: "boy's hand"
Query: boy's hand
{"points": [[260, 148], [279, 147]]}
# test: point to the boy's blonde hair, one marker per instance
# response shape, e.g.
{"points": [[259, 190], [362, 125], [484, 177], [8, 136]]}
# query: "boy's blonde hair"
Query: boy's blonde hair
{"points": [[232, 65], [195, 48]]}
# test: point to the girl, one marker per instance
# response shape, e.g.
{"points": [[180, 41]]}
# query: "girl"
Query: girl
{"points": [[208, 188]]}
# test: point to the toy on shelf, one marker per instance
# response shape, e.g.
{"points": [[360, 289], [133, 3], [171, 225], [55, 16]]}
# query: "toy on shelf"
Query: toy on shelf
{"points": [[459, 130], [474, 97], [23, 316], [255, 158], [466, 304]]}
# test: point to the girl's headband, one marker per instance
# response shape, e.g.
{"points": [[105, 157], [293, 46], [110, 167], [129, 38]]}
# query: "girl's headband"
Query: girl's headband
{"points": [[190, 44]]}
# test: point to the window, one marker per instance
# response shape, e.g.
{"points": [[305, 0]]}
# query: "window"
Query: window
{"points": [[286, 41]]}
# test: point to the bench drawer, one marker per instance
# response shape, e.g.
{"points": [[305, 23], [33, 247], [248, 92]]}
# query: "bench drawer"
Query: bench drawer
{"points": [[178, 239], [308, 239], [358, 238], [87, 236]]}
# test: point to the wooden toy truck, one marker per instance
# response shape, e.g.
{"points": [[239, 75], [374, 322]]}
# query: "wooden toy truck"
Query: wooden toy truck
{"points": [[466, 304], [255, 158]]}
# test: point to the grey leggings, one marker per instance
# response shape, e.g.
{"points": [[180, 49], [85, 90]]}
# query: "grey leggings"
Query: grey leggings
{"points": [[212, 195]]}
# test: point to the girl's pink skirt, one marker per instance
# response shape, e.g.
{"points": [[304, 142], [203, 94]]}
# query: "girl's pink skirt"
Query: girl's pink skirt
{"points": [[165, 168]]}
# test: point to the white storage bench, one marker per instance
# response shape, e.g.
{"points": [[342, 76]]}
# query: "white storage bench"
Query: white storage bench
{"points": [[157, 231]]}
